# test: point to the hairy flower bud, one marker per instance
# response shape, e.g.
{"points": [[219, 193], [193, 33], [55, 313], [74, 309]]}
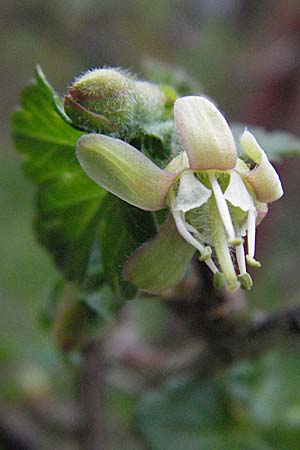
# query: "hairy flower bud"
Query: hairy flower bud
{"points": [[151, 101], [110, 100], [101, 100]]}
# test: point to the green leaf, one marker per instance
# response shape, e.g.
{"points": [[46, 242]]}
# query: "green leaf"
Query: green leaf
{"points": [[182, 416], [123, 229], [156, 141], [103, 302], [193, 415], [68, 202], [71, 209], [52, 299], [45, 140], [96, 294], [263, 392], [276, 144], [161, 261], [76, 311]]}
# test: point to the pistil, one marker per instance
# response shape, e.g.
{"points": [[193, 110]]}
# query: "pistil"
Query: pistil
{"points": [[223, 210], [222, 249]]}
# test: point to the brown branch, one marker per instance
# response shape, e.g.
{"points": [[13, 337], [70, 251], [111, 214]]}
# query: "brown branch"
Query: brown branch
{"points": [[60, 416], [18, 431], [228, 329], [95, 434], [274, 331], [35, 424], [249, 338], [219, 339]]}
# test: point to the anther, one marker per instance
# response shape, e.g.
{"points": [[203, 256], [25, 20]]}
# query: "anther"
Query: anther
{"points": [[246, 281], [219, 280]]}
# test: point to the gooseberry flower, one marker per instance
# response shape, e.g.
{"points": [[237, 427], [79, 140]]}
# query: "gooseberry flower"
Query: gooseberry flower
{"points": [[215, 198]]}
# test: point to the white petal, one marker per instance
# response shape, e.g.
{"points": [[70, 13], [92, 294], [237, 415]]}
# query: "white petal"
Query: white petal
{"points": [[191, 193], [237, 193], [204, 133], [263, 178], [179, 163]]}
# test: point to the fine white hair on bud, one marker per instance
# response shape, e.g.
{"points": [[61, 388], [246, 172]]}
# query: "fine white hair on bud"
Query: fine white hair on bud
{"points": [[111, 100]]}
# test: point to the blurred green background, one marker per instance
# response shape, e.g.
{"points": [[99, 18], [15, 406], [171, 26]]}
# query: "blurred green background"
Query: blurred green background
{"points": [[246, 56]]}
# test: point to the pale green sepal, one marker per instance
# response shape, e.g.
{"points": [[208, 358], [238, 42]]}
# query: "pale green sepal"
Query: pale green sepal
{"points": [[161, 261], [261, 211], [205, 134], [263, 178], [191, 193], [124, 171], [237, 193]]}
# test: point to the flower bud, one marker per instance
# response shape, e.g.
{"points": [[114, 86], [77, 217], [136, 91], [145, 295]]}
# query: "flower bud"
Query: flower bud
{"points": [[101, 100], [151, 101]]}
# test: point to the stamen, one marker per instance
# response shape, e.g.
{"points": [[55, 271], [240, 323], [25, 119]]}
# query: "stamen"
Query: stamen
{"points": [[223, 209], [206, 254], [209, 262], [190, 227], [219, 280], [240, 257], [251, 225], [251, 232], [182, 229], [246, 281]]}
